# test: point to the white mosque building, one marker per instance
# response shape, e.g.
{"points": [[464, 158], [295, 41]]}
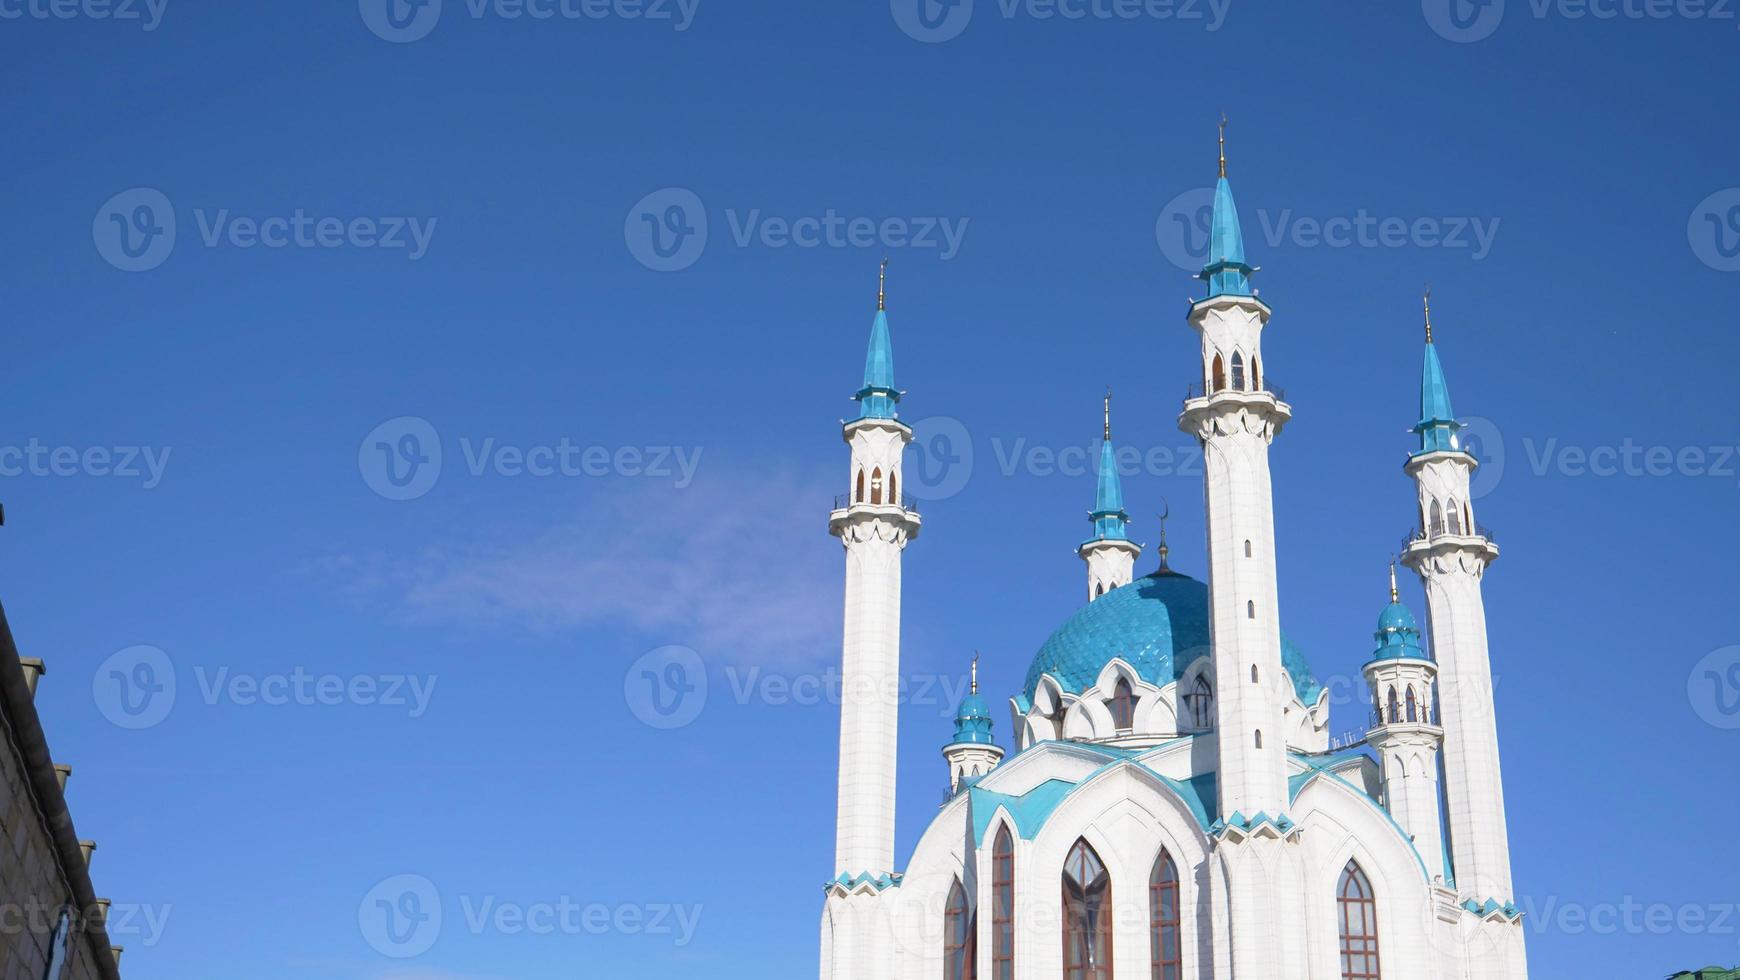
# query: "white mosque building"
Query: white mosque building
{"points": [[1173, 809]]}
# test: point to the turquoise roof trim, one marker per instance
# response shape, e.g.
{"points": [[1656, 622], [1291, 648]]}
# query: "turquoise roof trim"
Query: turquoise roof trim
{"points": [[849, 882], [1157, 624], [1029, 812], [878, 398], [1437, 427], [1110, 521], [1226, 272]]}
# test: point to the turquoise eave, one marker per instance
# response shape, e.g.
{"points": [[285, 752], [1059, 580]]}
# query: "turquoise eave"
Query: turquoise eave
{"points": [[1158, 624], [1030, 811]]}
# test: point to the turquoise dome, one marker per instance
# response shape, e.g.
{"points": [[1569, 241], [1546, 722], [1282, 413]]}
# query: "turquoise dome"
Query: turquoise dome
{"points": [[1398, 635], [1157, 624], [973, 722]]}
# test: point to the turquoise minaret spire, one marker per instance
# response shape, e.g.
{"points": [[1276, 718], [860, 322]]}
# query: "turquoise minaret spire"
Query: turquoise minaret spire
{"points": [[973, 720], [1398, 633], [1437, 426], [1111, 523], [879, 398], [972, 752], [1226, 272]]}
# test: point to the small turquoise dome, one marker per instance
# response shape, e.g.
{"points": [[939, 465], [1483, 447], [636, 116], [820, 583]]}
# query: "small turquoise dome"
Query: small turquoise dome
{"points": [[1398, 635], [1157, 624], [973, 722]]}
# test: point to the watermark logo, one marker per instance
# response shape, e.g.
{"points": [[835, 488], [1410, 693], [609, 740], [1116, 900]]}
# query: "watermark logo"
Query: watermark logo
{"points": [[135, 687], [1714, 688], [1464, 21], [401, 917], [932, 21], [942, 461], [400, 459], [1714, 230], [666, 688], [1184, 227], [666, 230], [400, 21], [144, 463], [148, 13], [135, 230], [1480, 438]]}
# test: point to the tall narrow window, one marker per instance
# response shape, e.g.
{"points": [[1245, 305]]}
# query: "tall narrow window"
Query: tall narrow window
{"points": [[1201, 703], [1256, 375], [1219, 374], [1395, 706], [1259, 738], [957, 935], [1455, 518], [1359, 934], [876, 486], [1003, 906], [1251, 609], [893, 488], [1123, 706], [1254, 674], [1437, 519], [1087, 915], [1238, 371], [1413, 706], [859, 498], [1165, 920], [1467, 518], [1247, 547]]}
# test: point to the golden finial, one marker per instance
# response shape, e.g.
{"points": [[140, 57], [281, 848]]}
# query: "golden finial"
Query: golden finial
{"points": [[1395, 595], [975, 671], [1223, 121], [1428, 313], [882, 287], [1108, 414], [1165, 513]]}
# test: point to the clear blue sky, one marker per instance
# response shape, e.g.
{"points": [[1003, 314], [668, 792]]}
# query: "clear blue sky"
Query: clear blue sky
{"points": [[1593, 316]]}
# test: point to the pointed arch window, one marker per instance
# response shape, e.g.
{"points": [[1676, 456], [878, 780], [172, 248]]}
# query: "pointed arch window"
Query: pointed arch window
{"points": [[1123, 706], [1003, 906], [876, 485], [1413, 705], [1099, 589], [859, 497], [1395, 706], [1251, 609], [1256, 375], [894, 488], [1359, 935], [1467, 517], [1247, 547], [1219, 374], [1455, 517], [1437, 519], [1200, 700], [1238, 371], [1165, 919], [1087, 915], [958, 951]]}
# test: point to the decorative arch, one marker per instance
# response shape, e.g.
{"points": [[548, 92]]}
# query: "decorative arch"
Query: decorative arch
{"points": [[1087, 915], [1123, 706], [1357, 908], [1199, 703], [1437, 519], [1413, 704], [858, 497], [1395, 705], [1256, 374], [876, 485], [1238, 371], [1219, 373], [894, 488], [1165, 919], [1455, 517], [1003, 905], [958, 936]]}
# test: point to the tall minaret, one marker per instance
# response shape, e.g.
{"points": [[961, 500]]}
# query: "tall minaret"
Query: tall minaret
{"points": [[874, 525], [1405, 730], [1235, 416], [1110, 554], [1451, 552]]}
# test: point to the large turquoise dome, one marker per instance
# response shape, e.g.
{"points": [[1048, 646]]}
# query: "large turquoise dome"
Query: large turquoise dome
{"points": [[1157, 624]]}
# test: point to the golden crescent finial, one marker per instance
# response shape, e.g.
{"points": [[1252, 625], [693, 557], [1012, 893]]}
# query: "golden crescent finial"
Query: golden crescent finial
{"points": [[1165, 512], [975, 671], [1395, 595], [1428, 302], [1223, 122], [882, 286]]}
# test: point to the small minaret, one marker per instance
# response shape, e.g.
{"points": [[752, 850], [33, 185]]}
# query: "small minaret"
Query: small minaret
{"points": [[1235, 416], [874, 525], [972, 752], [1404, 728], [1110, 554]]}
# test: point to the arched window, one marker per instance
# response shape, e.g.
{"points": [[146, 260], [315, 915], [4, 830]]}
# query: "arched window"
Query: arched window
{"points": [[1395, 706], [1087, 915], [1219, 374], [1359, 935], [1437, 519], [1254, 674], [1003, 906], [1256, 375], [894, 488], [1165, 920], [1413, 705], [1123, 706], [859, 497], [1251, 609], [1201, 703], [876, 486], [1247, 547], [1467, 518], [957, 936], [1238, 371], [1099, 589], [1259, 738], [1455, 517]]}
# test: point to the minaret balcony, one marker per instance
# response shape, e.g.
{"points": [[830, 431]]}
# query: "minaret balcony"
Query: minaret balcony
{"points": [[1203, 405], [846, 511], [1425, 722], [1442, 540]]}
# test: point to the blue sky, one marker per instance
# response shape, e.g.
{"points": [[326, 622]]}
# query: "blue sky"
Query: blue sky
{"points": [[456, 202]]}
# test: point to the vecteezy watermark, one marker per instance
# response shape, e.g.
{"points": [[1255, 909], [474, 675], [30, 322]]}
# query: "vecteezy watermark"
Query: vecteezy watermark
{"points": [[401, 459], [1630, 917], [1186, 223], [135, 231], [148, 14], [936, 21], [667, 231], [144, 463], [945, 458], [1467, 21], [404, 21], [402, 917], [1714, 230], [1713, 687], [127, 923], [136, 688], [666, 688]]}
